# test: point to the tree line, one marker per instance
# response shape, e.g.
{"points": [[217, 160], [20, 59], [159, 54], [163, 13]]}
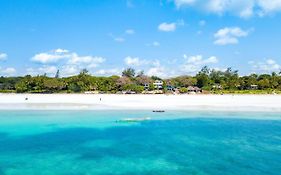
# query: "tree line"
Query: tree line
{"points": [[210, 80]]}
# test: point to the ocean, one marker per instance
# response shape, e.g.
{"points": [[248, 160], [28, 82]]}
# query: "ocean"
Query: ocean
{"points": [[173, 142]]}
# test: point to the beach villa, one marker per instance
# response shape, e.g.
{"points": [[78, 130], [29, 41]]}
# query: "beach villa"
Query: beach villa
{"points": [[158, 84]]}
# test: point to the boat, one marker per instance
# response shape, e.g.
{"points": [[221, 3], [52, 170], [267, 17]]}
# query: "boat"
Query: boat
{"points": [[158, 111], [131, 120]]}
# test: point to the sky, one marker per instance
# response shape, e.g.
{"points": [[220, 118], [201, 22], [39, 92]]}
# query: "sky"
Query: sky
{"points": [[164, 38]]}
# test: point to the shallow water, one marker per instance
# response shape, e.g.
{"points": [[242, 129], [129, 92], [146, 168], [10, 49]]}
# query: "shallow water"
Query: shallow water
{"points": [[174, 142]]}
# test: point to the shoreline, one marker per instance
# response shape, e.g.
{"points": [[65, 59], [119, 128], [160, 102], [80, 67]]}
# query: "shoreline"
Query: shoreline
{"points": [[202, 102]]}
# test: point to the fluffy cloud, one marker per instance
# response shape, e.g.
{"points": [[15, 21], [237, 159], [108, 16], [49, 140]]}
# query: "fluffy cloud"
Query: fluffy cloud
{"points": [[119, 39], [130, 31], [195, 63], [130, 61], [108, 72], [229, 35], [3, 56], [170, 27], [181, 3], [242, 8], [239, 7], [70, 70], [88, 61], [269, 6], [135, 61], [167, 27], [154, 43], [49, 70], [158, 71], [9, 71], [267, 66], [51, 57], [198, 60], [71, 62]]}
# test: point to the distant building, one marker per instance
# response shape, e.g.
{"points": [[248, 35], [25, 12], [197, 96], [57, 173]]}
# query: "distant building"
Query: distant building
{"points": [[158, 84], [254, 87], [194, 89], [146, 86], [217, 86], [170, 88]]}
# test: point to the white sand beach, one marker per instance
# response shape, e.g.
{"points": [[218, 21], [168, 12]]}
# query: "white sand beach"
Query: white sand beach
{"points": [[139, 102]]}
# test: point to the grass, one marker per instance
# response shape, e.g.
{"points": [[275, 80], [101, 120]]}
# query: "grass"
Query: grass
{"points": [[268, 91]]}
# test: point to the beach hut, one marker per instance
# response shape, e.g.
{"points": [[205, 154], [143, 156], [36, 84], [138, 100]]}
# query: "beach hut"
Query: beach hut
{"points": [[254, 87], [170, 88], [194, 89], [146, 86]]}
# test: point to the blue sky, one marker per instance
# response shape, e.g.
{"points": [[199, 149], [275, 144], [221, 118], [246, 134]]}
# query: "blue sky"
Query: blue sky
{"points": [[162, 37]]}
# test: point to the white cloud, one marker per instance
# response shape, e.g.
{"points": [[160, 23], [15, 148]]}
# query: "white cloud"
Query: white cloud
{"points": [[70, 70], [88, 60], [229, 35], [195, 63], [61, 50], [167, 27], [51, 56], [158, 71], [130, 31], [170, 27], [267, 66], [65, 70], [9, 71], [242, 8], [119, 39], [135, 61], [71, 61], [181, 3], [3, 56], [220, 69], [49, 70], [154, 43], [108, 72], [71, 58], [130, 61], [269, 6], [198, 60]]}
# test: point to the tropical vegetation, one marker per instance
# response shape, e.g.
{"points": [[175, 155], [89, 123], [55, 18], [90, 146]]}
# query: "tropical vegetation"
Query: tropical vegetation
{"points": [[210, 80]]}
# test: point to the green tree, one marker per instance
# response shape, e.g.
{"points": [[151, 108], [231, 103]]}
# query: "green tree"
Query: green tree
{"points": [[53, 85], [183, 90], [129, 72], [202, 77]]}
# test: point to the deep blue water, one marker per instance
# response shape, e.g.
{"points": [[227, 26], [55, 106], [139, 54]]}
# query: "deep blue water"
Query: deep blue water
{"points": [[175, 142]]}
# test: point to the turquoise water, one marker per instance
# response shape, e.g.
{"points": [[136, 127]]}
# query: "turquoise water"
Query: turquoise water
{"points": [[175, 142]]}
